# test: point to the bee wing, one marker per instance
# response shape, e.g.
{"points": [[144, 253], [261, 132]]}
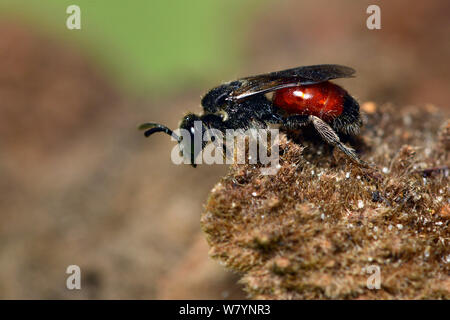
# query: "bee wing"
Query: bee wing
{"points": [[289, 78]]}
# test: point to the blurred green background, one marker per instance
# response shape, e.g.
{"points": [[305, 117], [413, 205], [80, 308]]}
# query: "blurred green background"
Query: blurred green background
{"points": [[150, 45]]}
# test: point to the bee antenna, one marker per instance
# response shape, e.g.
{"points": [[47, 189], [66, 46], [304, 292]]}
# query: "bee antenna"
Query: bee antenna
{"points": [[152, 128]]}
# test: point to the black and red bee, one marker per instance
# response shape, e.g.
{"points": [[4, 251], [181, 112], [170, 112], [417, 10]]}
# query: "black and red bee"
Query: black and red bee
{"points": [[301, 96]]}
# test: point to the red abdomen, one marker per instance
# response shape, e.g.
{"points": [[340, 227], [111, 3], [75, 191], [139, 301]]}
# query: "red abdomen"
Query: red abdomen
{"points": [[324, 100]]}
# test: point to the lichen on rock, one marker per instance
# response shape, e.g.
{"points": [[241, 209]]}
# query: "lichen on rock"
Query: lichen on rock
{"points": [[312, 230]]}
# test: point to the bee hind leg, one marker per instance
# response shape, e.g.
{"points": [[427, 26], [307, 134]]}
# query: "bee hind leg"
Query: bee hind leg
{"points": [[330, 136]]}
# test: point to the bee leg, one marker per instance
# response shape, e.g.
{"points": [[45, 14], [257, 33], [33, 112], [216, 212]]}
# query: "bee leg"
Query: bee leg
{"points": [[328, 134], [295, 122], [215, 121], [325, 131]]}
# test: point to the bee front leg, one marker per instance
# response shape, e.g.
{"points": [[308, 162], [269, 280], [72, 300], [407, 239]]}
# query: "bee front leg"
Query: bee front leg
{"points": [[328, 134]]}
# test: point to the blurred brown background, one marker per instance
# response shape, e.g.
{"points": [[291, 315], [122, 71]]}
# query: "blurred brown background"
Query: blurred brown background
{"points": [[80, 185]]}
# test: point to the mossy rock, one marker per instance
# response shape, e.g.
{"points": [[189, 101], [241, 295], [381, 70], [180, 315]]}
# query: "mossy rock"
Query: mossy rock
{"points": [[312, 230]]}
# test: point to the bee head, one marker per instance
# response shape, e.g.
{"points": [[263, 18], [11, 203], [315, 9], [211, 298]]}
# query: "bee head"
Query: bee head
{"points": [[190, 127]]}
